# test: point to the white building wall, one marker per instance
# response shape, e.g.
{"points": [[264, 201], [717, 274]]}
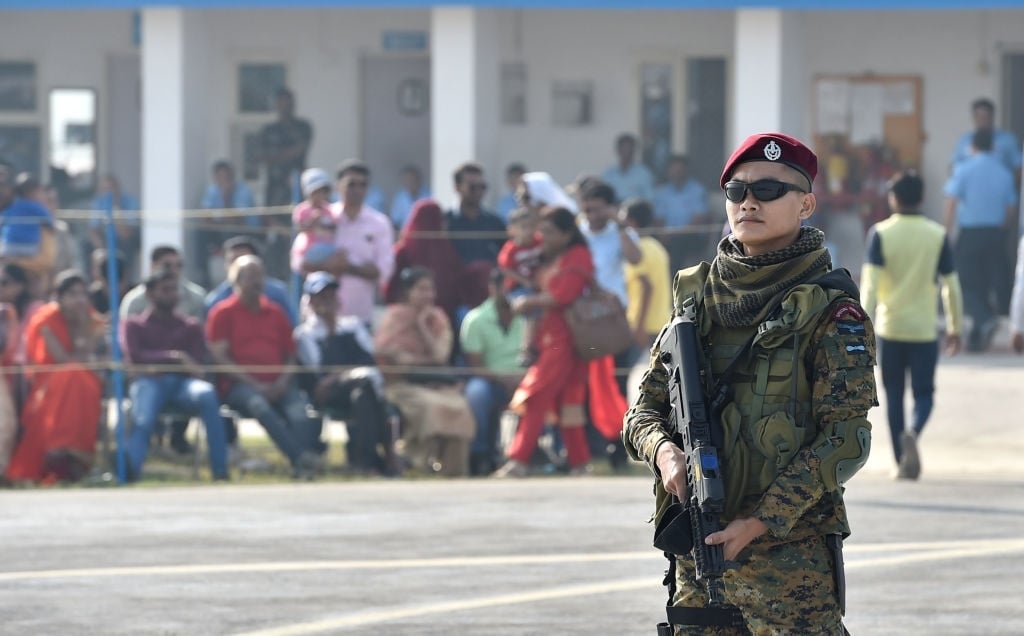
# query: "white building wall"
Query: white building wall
{"points": [[70, 50], [607, 48], [945, 48], [322, 49]]}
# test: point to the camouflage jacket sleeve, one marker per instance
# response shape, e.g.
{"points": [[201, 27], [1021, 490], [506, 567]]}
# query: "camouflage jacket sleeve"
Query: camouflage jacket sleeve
{"points": [[644, 428], [841, 359]]}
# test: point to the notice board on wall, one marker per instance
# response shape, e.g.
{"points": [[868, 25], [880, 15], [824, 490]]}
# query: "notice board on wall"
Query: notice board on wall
{"points": [[861, 113]]}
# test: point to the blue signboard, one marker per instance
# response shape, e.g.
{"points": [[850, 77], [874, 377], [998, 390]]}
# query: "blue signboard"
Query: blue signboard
{"points": [[404, 41]]}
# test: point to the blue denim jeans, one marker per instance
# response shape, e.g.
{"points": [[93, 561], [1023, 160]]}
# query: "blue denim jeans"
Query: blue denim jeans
{"points": [[484, 396], [285, 421], [151, 394], [895, 359]]}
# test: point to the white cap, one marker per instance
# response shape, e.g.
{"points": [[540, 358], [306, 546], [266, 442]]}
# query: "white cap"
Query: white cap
{"points": [[314, 179]]}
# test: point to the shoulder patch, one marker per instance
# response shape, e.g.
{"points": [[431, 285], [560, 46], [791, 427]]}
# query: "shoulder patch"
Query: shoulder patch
{"points": [[847, 311]]}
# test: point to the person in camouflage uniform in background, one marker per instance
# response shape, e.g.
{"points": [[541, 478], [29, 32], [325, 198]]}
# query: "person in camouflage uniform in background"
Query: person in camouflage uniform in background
{"points": [[795, 428]]}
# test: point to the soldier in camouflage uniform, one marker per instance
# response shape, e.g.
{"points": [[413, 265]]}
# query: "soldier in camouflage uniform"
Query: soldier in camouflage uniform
{"points": [[795, 427]]}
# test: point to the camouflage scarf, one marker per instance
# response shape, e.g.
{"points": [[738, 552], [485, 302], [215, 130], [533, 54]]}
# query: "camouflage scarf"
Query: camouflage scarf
{"points": [[741, 289]]}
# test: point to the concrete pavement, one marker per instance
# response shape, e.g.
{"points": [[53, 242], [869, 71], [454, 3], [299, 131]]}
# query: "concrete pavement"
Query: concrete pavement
{"points": [[538, 556]]}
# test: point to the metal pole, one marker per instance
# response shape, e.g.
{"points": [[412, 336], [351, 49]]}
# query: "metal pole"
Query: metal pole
{"points": [[117, 377]]}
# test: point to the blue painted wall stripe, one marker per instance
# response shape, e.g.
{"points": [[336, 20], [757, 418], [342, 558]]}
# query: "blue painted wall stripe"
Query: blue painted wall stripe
{"points": [[819, 5]]}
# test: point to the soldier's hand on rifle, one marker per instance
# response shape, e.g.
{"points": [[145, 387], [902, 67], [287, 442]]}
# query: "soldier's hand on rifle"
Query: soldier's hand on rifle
{"points": [[737, 535], [671, 463]]}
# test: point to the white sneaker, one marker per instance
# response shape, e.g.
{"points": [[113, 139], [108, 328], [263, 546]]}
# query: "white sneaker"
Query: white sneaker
{"points": [[511, 469], [910, 464]]}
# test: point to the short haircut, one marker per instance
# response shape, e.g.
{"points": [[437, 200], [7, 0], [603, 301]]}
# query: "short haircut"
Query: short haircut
{"points": [[600, 190], [683, 159], [284, 92], [161, 251], [156, 278], [242, 242], [352, 166], [241, 263], [25, 184], [640, 211], [68, 279], [412, 169], [982, 140], [908, 188], [515, 168], [223, 164], [625, 138], [983, 103], [469, 167]]}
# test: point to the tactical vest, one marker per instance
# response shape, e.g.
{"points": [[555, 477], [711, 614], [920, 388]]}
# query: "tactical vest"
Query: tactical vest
{"points": [[768, 418]]}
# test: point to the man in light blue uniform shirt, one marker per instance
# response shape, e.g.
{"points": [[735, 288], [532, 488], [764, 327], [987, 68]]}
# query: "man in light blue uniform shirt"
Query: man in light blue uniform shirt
{"points": [[1007, 149], [680, 203], [629, 178], [513, 177], [411, 191], [1005, 145], [981, 201], [226, 192]]}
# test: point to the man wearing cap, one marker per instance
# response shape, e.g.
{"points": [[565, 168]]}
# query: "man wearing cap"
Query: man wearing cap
{"points": [[794, 350], [356, 395]]}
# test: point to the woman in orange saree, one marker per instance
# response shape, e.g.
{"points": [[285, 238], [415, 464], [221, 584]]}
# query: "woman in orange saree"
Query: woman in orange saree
{"points": [[60, 417]]}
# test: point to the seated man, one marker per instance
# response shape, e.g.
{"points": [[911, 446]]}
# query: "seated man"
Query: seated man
{"points": [[162, 336], [247, 332], [191, 296], [491, 337], [191, 303], [356, 395], [275, 290]]}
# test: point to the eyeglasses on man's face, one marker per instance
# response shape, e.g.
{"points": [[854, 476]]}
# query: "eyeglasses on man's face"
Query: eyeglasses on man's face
{"points": [[764, 190]]}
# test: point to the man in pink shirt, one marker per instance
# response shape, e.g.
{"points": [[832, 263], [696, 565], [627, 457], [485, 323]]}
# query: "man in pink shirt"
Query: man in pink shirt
{"points": [[364, 255]]}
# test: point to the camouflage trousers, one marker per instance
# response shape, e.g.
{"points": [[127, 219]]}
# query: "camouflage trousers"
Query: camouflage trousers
{"points": [[782, 589]]}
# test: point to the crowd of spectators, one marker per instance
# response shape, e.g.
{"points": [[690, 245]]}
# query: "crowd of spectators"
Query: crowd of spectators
{"points": [[419, 345]]}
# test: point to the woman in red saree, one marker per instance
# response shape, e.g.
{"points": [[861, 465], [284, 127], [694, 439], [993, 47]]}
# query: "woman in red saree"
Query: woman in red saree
{"points": [[422, 244], [61, 413], [555, 386]]}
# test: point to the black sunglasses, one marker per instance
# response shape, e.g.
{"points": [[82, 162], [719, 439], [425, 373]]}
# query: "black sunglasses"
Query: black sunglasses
{"points": [[762, 189]]}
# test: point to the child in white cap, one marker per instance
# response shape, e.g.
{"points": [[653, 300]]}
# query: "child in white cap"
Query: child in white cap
{"points": [[312, 217]]}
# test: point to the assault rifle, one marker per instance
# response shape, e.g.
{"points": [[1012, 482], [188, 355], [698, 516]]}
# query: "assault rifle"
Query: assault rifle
{"points": [[697, 432]]}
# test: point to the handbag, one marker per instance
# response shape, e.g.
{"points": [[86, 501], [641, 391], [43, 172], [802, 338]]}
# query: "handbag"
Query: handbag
{"points": [[597, 321]]}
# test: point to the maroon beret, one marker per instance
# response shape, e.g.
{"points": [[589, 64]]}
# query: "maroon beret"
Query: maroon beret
{"points": [[773, 147]]}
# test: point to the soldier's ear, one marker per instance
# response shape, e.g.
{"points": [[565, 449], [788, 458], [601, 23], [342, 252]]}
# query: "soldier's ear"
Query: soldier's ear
{"points": [[807, 206]]}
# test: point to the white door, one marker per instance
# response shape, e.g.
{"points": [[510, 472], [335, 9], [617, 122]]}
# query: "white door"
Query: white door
{"points": [[395, 119], [124, 121]]}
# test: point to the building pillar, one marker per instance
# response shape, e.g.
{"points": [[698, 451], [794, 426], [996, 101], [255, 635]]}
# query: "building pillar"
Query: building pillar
{"points": [[174, 162], [770, 90], [464, 94]]}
